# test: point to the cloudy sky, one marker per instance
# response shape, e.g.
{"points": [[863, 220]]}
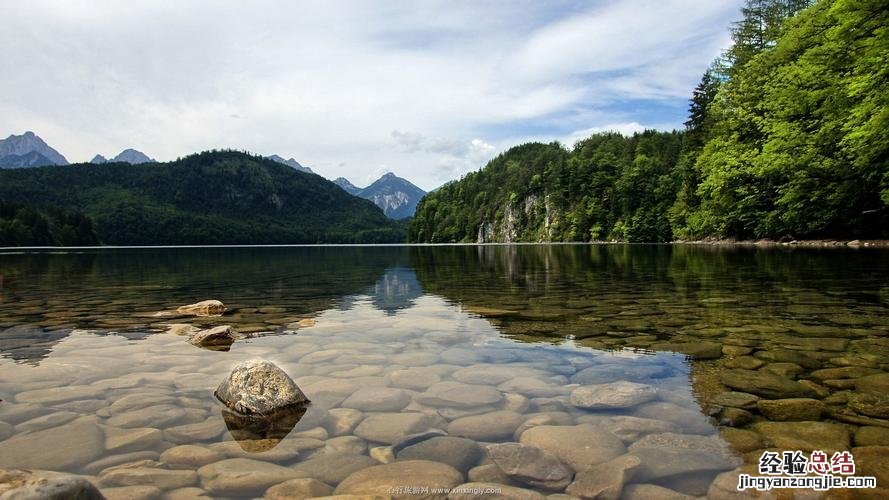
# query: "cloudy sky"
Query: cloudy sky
{"points": [[428, 90]]}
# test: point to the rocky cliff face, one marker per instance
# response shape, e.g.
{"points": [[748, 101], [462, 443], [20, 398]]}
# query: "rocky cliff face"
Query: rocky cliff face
{"points": [[531, 216], [18, 151]]}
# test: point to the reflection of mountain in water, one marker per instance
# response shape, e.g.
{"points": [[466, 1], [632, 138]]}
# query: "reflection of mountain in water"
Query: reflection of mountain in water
{"points": [[396, 290]]}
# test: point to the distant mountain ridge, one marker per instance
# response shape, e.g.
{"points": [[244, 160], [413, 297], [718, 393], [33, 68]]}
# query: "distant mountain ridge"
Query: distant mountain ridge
{"points": [[396, 196], [347, 186], [217, 197], [128, 155], [290, 163], [17, 151]]}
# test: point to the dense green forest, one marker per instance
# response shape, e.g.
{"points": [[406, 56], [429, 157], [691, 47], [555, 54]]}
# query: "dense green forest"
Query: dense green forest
{"points": [[220, 197], [787, 137], [21, 225]]}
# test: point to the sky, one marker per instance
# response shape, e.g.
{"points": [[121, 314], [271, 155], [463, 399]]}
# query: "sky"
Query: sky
{"points": [[428, 90]]}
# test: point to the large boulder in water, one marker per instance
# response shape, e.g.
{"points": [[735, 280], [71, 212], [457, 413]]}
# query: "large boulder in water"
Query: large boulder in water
{"points": [[259, 387]]}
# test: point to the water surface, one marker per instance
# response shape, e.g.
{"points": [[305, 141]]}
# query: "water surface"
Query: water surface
{"points": [[737, 350]]}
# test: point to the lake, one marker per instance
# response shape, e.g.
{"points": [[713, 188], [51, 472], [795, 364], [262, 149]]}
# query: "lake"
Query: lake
{"points": [[662, 370]]}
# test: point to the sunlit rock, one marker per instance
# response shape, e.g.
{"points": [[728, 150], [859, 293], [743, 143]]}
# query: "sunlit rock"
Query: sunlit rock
{"points": [[203, 308], [263, 404], [218, 338]]}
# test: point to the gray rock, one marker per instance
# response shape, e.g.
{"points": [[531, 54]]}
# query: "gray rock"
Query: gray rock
{"points": [[530, 465], [298, 489], [217, 337], [242, 476], [531, 386], [578, 446], [688, 420], [461, 454], [389, 428], [143, 492], [631, 429], [342, 421], [189, 455], [43, 485], [612, 372], [457, 394], [123, 440], [491, 491], [614, 395], [606, 480], [413, 378], [73, 445], [135, 476], [160, 415], [333, 468], [381, 479], [259, 387], [377, 399], [54, 419], [494, 426], [103, 463]]}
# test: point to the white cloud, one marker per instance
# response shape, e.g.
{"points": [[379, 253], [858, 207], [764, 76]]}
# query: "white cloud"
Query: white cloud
{"points": [[328, 82]]}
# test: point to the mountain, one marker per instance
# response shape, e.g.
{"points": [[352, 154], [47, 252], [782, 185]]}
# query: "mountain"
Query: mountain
{"points": [[132, 157], [16, 146], [347, 186], [31, 159], [219, 197], [129, 155], [291, 163], [397, 197]]}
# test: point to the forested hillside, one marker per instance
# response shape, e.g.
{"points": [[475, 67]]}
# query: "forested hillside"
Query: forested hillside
{"points": [[222, 197], [787, 137]]}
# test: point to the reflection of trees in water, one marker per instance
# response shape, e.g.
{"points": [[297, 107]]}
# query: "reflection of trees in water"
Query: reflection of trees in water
{"points": [[88, 287], [550, 291]]}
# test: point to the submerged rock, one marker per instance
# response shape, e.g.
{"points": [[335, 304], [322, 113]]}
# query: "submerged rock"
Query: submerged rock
{"points": [[460, 453], [27, 484], [765, 384], [72, 445], [530, 465], [217, 337], [385, 480], [791, 409], [203, 308], [259, 387], [614, 395], [605, 481], [578, 446]]}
